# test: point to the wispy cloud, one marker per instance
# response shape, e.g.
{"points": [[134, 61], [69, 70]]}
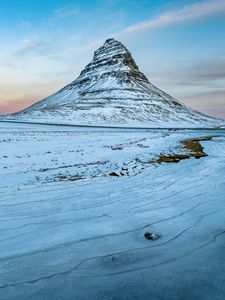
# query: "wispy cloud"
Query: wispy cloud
{"points": [[25, 24], [212, 70], [205, 73], [6, 107], [91, 46], [64, 12], [210, 102], [51, 61], [34, 47], [29, 46], [190, 12]]}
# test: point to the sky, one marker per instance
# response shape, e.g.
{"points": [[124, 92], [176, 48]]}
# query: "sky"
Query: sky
{"points": [[179, 45]]}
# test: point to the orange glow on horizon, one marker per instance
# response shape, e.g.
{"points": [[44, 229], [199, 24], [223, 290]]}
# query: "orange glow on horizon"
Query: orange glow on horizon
{"points": [[15, 106]]}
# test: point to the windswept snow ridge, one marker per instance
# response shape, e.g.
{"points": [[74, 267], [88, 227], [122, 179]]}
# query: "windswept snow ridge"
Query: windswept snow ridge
{"points": [[112, 91]]}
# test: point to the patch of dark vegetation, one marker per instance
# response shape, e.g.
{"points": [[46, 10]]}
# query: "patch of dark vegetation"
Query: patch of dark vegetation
{"points": [[204, 138], [118, 147], [75, 165], [69, 177], [151, 236], [172, 158], [194, 148], [142, 146]]}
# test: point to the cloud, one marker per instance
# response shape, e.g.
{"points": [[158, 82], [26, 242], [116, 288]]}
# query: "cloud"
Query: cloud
{"points": [[210, 102], [33, 48], [16, 96], [16, 105], [38, 54], [29, 46], [204, 73], [62, 13], [190, 12], [65, 12], [212, 70], [25, 24], [75, 37], [91, 46]]}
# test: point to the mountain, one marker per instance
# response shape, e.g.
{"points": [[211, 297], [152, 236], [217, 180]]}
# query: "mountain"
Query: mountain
{"points": [[111, 90]]}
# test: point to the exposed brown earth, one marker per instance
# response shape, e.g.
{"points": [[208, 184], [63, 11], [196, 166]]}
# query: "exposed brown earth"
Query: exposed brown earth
{"points": [[194, 148]]}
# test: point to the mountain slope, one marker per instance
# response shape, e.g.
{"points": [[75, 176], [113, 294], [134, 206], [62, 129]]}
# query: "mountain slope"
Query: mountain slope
{"points": [[112, 91]]}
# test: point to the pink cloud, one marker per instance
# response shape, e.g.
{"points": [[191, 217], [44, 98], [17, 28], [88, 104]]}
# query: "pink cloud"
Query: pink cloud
{"points": [[14, 106]]}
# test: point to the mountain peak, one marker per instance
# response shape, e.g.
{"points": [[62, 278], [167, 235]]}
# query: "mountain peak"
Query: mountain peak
{"points": [[112, 45], [111, 90], [113, 59], [110, 48], [112, 40]]}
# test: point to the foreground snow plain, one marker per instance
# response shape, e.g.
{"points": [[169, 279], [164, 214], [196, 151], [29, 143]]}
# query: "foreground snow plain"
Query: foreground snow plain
{"points": [[72, 229]]}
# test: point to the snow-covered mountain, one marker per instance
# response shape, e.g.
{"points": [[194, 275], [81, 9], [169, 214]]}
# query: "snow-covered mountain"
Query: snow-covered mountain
{"points": [[112, 91]]}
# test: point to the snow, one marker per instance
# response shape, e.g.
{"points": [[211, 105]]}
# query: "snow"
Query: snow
{"points": [[111, 91], [84, 238]]}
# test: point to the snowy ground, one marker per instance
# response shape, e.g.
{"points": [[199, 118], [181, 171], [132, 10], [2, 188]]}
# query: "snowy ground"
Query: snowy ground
{"points": [[69, 230]]}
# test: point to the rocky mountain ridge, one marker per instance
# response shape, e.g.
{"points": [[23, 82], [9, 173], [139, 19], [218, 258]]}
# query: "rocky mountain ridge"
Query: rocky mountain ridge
{"points": [[111, 90]]}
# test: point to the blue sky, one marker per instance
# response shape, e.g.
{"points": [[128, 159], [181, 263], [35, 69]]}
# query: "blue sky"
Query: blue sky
{"points": [[179, 45]]}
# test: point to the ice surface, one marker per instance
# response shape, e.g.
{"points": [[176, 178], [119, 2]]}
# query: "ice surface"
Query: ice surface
{"points": [[63, 238]]}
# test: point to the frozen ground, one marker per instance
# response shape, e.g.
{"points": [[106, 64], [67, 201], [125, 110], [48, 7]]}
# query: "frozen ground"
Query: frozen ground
{"points": [[71, 230]]}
